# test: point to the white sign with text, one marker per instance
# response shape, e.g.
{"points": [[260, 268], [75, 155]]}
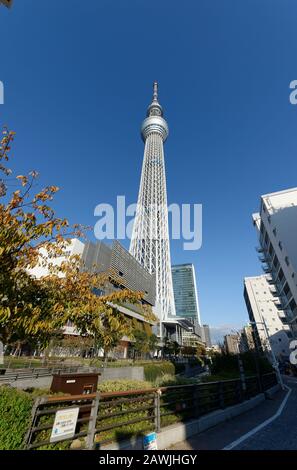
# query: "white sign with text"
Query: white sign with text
{"points": [[65, 424]]}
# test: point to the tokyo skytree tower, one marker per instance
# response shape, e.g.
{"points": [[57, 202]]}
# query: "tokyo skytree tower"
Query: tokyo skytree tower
{"points": [[150, 236]]}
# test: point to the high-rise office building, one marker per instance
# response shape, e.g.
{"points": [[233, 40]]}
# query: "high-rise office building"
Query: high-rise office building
{"points": [[205, 334], [267, 318], [231, 343], [277, 228], [150, 236], [185, 292]]}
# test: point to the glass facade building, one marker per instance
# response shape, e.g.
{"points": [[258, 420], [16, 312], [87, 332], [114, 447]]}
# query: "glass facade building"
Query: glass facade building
{"points": [[185, 292]]}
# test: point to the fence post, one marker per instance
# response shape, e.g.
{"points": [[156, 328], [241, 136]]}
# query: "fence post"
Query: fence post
{"points": [[240, 391], [92, 423], [157, 410], [196, 401], [28, 437], [221, 395]]}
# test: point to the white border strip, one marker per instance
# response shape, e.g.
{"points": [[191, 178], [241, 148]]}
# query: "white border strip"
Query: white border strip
{"points": [[262, 425]]}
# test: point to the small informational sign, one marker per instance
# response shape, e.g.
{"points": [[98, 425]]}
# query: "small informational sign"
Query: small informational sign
{"points": [[150, 441], [65, 424]]}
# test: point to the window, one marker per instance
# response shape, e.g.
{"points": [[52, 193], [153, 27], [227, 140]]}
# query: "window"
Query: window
{"points": [[287, 291], [275, 262], [287, 261], [274, 232], [280, 245]]}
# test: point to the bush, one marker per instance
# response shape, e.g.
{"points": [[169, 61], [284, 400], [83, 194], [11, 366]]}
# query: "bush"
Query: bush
{"points": [[168, 380], [179, 367], [228, 363], [126, 410], [15, 416], [123, 385], [154, 370]]}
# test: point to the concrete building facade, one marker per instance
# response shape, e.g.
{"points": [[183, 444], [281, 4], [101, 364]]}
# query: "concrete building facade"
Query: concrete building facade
{"points": [[269, 330], [246, 341], [123, 271], [205, 335], [276, 224], [231, 344]]}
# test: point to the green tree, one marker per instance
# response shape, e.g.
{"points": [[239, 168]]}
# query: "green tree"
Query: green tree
{"points": [[35, 310], [171, 348], [141, 343], [153, 343]]}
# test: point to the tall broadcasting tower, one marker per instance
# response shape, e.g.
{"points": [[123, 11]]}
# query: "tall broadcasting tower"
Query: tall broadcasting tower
{"points": [[150, 237]]}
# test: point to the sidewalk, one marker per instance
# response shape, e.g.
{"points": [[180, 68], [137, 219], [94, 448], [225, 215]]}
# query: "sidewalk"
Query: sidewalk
{"points": [[223, 434]]}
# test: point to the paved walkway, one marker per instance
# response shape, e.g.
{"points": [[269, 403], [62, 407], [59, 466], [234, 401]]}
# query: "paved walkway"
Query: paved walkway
{"points": [[280, 434]]}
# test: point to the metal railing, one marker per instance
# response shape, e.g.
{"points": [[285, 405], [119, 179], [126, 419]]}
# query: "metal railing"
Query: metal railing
{"points": [[116, 416], [11, 375]]}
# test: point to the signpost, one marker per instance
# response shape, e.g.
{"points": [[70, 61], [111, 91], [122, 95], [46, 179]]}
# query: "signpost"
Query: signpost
{"points": [[65, 424]]}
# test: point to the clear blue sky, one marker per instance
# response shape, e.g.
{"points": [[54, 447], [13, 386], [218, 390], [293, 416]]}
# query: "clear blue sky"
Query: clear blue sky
{"points": [[78, 79]]}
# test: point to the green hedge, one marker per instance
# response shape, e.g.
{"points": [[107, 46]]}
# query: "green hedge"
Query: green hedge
{"points": [[179, 367], [228, 363], [122, 385], [15, 416], [154, 370]]}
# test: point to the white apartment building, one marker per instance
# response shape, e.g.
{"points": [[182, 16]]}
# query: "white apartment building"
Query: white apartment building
{"points": [[263, 308], [75, 248], [277, 229]]}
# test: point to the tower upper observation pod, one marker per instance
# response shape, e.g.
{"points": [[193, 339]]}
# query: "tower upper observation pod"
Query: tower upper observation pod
{"points": [[154, 121]]}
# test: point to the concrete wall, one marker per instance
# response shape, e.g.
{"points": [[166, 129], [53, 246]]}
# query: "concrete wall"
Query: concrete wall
{"points": [[41, 382], [116, 373], [110, 373]]}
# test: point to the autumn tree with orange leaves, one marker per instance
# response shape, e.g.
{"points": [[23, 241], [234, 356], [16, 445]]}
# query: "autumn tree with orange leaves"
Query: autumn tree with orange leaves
{"points": [[35, 310]]}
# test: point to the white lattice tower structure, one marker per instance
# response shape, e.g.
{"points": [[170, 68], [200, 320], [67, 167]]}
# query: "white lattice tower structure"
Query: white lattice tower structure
{"points": [[150, 237]]}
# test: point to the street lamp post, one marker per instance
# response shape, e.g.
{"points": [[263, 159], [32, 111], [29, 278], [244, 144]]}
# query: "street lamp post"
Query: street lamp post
{"points": [[240, 363], [275, 361]]}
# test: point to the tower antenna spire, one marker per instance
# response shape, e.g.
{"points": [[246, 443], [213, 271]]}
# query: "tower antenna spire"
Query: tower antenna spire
{"points": [[155, 94]]}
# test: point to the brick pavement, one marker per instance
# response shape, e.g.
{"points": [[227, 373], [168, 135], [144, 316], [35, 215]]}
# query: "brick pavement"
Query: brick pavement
{"points": [[281, 434]]}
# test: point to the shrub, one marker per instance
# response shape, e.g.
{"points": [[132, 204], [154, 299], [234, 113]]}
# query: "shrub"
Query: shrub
{"points": [[168, 380], [123, 385], [228, 363], [154, 370], [179, 367], [15, 415], [125, 410]]}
